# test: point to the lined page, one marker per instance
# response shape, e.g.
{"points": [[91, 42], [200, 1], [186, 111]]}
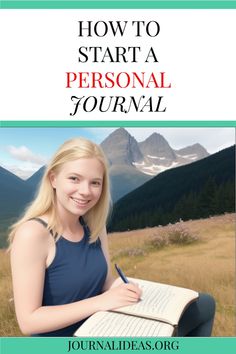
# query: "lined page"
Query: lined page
{"points": [[110, 324], [160, 301]]}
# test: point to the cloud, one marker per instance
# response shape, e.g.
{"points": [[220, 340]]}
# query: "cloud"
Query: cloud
{"points": [[22, 153]]}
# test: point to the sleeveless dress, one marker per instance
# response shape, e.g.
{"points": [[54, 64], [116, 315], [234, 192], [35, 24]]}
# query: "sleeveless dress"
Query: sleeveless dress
{"points": [[77, 272]]}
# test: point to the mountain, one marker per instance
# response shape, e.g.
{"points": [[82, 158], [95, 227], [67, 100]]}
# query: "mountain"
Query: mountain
{"points": [[122, 151], [156, 146], [121, 148], [158, 156], [132, 163], [200, 189], [193, 152], [35, 179], [14, 193]]}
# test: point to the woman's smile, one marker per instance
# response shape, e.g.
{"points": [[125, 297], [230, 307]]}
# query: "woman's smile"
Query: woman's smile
{"points": [[80, 202]]}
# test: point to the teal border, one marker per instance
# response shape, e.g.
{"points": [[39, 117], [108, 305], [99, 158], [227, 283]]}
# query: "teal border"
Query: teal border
{"points": [[116, 4], [115, 123], [186, 345]]}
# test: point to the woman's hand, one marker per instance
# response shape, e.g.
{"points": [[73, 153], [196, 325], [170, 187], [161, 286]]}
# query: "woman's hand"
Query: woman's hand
{"points": [[119, 295], [118, 281]]}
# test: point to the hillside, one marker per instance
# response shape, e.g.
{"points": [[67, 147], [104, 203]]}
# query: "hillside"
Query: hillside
{"points": [[207, 265], [200, 189]]}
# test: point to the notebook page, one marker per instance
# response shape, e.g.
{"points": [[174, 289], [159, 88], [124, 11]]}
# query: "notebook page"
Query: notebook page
{"points": [[160, 301], [110, 324]]}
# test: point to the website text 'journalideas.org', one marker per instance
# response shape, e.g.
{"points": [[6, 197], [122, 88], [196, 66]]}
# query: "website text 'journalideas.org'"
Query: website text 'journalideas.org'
{"points": [[127, 344]]}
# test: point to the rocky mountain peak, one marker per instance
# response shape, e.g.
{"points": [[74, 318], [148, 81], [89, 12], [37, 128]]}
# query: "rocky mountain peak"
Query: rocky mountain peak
{"points": [[157, 146], [195, 149], [121, 148]]}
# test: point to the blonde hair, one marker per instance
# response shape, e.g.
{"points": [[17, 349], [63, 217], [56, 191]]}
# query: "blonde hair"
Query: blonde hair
{"points": [[45, 201]]}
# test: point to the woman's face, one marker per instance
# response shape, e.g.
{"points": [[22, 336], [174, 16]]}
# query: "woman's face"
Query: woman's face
{"points": [[78, 185]]}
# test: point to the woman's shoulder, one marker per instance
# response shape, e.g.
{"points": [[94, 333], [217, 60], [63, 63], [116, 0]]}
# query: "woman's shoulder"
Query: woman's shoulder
{"points": [[31, 247], [33, 232]]}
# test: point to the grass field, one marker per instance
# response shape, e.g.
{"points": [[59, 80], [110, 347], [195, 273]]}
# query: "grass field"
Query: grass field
{"points": [[207, 265]]}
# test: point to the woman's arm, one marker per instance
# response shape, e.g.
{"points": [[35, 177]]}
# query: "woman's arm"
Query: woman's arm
{"points": [[28, 261]]}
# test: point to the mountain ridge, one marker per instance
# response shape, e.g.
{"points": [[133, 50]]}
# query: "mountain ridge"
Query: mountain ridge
{"points": [[132, 163], [184, 185]]}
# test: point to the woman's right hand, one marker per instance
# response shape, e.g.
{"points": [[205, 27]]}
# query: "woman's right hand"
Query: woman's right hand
{"points": [[118, 296]]}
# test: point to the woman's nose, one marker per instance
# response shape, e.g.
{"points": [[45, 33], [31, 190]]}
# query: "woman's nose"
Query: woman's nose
{"points": [[84, 188]]}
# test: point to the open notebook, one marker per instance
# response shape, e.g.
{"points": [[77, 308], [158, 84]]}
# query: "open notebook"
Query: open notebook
{"points": [[156, 315]]}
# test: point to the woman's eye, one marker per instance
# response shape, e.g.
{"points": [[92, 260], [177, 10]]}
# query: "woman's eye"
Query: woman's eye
{"points": [[74, 178], [96, 183]]}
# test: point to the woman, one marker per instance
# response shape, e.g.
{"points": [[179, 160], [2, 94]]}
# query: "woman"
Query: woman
{"points": [[59, 252]]}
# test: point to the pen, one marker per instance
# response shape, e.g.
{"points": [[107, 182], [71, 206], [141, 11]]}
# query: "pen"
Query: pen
{"points": [[121, 274]]}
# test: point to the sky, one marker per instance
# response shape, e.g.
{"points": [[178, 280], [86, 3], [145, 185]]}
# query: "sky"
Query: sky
{"points": [[24, 150]]}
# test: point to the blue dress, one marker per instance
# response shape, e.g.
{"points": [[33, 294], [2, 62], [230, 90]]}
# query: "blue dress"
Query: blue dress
{"points": [[77, 272]]}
